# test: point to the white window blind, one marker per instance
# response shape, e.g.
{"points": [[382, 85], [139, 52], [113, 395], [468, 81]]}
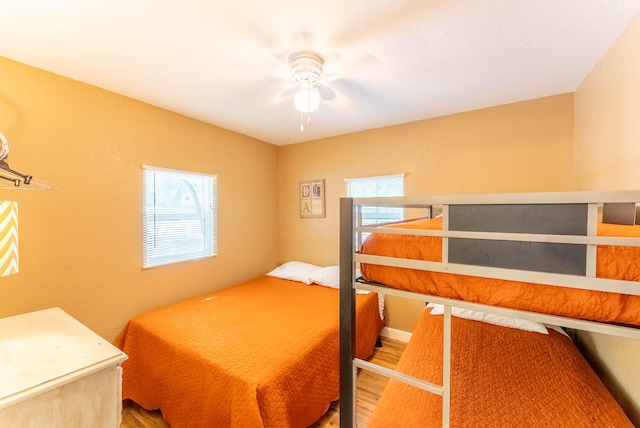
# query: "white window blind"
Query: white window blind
{"points": [[378, 186], [179, 216]]}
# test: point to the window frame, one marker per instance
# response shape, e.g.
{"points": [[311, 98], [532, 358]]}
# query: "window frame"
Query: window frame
{"points": [[194, 222], [378, 213]]}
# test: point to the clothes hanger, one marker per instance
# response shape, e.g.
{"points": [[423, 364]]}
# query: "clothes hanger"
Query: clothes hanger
{"points": [[8, 174]]}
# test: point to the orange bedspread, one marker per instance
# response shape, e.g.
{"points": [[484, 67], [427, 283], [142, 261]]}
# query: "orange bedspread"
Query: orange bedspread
{"points": [[612, 262], [262, 353], [500, 377]]}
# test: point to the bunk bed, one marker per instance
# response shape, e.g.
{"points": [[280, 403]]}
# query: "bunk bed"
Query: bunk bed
{"points": [[506, 255], [260, 353]]}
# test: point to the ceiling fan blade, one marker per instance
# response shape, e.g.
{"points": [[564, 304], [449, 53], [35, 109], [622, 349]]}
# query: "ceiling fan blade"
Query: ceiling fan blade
{"points": [[290, 90], [348, 64], [303, 39], [357, 92], [326, 93]]}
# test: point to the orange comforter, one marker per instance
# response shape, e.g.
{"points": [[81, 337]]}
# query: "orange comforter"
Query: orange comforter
{"points": [[263, 353], [500, 377], [612, 262]]}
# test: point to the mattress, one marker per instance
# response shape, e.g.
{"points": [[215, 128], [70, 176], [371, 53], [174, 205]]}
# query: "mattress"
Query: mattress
{"points": [[613, 262], [500, 377], [262, 353]]}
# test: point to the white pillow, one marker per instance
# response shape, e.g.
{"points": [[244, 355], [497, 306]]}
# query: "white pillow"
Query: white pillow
{"points": [[490, 318], [328, 276], [294, 271]]}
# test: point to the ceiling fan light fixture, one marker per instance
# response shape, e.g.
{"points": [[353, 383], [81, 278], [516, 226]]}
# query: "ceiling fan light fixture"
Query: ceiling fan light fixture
{"points": [[307, 99], [306, 69]]}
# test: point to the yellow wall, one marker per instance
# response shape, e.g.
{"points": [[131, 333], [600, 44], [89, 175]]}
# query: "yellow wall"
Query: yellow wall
{"points": [[80, 246], [520, 147], [607, 118], [607, 156]]}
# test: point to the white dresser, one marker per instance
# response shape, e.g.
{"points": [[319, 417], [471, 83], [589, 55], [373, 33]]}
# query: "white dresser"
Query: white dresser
{"points": [[55, 372]]}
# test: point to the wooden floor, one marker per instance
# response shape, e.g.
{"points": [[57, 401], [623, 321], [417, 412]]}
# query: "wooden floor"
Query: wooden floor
{"points": [[369, 389]]}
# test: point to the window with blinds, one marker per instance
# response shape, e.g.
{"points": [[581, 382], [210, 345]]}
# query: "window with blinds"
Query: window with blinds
{"points": [[378, 186], [178, 215]]}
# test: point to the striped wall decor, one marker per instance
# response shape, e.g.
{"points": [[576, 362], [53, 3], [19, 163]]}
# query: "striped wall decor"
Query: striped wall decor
{"points": [[8, 238]]}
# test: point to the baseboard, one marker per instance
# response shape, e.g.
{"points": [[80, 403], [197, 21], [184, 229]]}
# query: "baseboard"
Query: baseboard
{"points": [[394, 333]]}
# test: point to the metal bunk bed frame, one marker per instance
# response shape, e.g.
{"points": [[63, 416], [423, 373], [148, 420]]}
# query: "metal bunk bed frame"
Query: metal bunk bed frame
{"points": [[560, 203]]}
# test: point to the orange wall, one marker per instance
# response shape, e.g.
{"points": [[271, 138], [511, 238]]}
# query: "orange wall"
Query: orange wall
{"points": [[607, 156], [80, 246], [520, 147]]}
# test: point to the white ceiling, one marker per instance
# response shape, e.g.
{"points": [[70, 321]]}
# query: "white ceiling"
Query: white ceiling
{"points": [[392, 61]]}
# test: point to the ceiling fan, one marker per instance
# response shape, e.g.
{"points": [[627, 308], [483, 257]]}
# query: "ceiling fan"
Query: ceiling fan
{"points": [[306, 69], [311, 78]]}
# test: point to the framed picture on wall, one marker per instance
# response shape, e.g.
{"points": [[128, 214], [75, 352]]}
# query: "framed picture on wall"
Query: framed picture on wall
{"points": [[312, 199]]}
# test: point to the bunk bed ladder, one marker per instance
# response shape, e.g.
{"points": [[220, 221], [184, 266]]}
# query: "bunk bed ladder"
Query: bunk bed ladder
{"points": [[349, 365]]}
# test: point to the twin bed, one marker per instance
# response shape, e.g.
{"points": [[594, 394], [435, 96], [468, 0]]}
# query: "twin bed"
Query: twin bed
{"points": [[612, 262], [500, 377], [262, 353], [507, 261]]}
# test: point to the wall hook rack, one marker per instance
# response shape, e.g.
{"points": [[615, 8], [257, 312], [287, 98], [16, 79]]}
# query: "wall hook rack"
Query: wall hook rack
{"points": [[17, 178]]}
